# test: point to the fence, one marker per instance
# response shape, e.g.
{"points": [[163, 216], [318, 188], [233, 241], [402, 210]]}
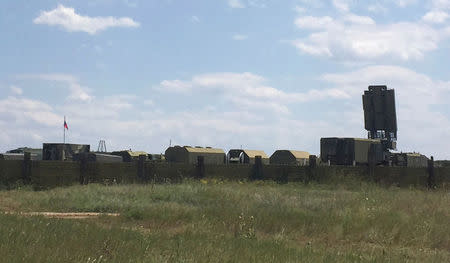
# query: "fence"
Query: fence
{"points": [[45, 174]]}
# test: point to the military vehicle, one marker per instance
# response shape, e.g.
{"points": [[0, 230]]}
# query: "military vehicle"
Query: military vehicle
{"points": [[62, 151], [380, 121], [351, 151], [410, 160]]}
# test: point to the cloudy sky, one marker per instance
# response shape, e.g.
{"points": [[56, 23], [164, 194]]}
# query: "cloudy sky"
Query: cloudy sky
{"points": [[263, 74]]}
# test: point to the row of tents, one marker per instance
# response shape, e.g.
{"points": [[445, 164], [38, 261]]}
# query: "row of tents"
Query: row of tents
{"points": [[175, 154], [188, 154], [334, 151]]}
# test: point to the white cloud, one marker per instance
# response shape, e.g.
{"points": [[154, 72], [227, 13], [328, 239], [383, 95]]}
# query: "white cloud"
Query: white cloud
{"points": [[377, 8], [149, 102], [50, 77], [436, 17], [195, 19], [240, 37], [300, 9], [356, 37], [236, 4], [72, 22], [312, 49], [175, 86], [312, 3], [257, 3], [20, 111], [247, 91], [77, 92], [405, 3], [358, 20], [441, 4], [345, 36], [16, 90], [341, 5], [313, 22]]}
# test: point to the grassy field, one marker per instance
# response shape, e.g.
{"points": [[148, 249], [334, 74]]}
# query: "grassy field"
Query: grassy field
{"points": [[211, 221]]}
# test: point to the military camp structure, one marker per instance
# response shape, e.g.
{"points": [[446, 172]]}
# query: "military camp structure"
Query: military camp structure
{"points": [[156, 157], [62, 151], [36, 154], [290, 157], [129, 156], [18, 156], [188, 154], [350, 151], [246, 156], [99, 157], [410, 160]]}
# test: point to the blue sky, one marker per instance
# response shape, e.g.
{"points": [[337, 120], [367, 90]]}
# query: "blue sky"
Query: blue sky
{"points": [[263, 74]]}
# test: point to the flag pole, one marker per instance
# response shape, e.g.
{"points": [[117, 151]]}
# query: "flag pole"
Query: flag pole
{"points": [[64, 129]]}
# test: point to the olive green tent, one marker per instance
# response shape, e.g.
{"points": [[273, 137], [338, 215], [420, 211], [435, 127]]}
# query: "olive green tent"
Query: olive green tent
{"points": [[290, 157], [188, 154]]}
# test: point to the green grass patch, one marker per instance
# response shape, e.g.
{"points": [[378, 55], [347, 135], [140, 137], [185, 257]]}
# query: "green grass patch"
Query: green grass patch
{"points": [[215, 221]]}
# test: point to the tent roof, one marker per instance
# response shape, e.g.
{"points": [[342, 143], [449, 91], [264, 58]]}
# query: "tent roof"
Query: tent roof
{"points": [[297, 154], [254, 153], [203, 150], [136, 154]]}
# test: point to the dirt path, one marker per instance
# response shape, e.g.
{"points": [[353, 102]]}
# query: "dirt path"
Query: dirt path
{"points": [[63, 215]]}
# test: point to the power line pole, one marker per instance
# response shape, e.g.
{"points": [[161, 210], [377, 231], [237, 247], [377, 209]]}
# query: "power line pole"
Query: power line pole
{"points": [[101, 146]]}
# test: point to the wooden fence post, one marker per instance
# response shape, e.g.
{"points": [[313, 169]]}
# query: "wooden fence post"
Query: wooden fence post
{"points": [[371, 159], [312, 168], [431, 176], [257, 173], [200, 167], [26, 168], [84, 168], [312, 161], [141, 167]]}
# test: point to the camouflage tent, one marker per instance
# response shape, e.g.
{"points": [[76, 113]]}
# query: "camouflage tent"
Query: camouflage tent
{"points": [[246, 156], [188, 154], [289, 157]]}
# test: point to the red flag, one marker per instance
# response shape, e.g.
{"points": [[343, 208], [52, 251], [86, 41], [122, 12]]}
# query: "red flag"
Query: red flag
{"points": [[65, 125]]}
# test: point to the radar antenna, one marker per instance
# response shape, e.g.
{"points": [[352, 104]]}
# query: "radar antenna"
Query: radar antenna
{"points": [[380, 118]]}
